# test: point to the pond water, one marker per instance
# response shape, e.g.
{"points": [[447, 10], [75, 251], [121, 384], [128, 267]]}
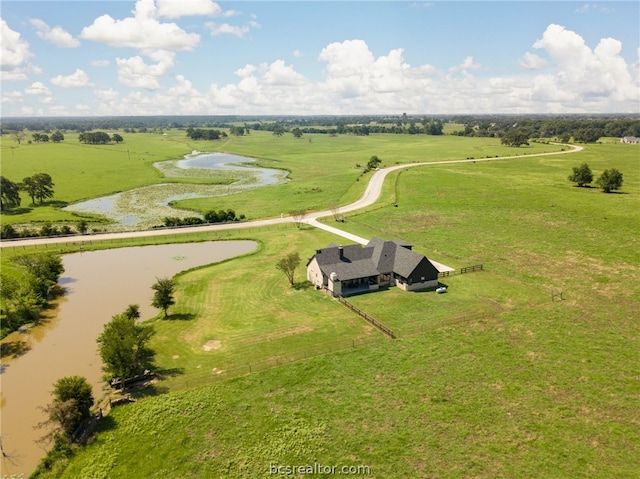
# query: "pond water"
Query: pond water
{"points": [[99, 284], [147, 206]]}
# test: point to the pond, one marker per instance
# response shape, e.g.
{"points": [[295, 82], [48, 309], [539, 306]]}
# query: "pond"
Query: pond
{"points": [[99, 284], [147, 206]]}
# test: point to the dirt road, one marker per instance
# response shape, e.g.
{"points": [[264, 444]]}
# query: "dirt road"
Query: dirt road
{"points": [[370, 196]]}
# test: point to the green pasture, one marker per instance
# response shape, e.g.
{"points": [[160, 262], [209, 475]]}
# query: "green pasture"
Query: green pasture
{"points": [[322, 168], [495, 378], [81, 171]]}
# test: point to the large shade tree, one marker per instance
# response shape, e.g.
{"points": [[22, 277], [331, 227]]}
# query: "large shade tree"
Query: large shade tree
{"points": [[9, 194], [163, 294], [581, 175], [123, 347], [610, 180]]}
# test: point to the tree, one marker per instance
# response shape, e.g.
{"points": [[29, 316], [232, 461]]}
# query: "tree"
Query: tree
{"points": [[288, 265], [298, 216], [515, 138], [278, 131], [9, 194], [82, 227], [163, 296], [610, 180], [581, 175], [38, 186], [19, 136], [117, 138], [123, 347], [373, 163], [297, 132], [57, 137], [72, 402], [132, 311], [43, 270]]}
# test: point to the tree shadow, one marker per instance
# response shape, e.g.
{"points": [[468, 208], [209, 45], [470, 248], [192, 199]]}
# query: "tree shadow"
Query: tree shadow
{"points": [[15, 349], [302, 285], [17, 211], [154, 387], [106, 423], [54, 203], [587, 187], [180, 317]]}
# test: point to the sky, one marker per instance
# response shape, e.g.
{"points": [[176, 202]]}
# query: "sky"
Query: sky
{"points": [[200, 57]]}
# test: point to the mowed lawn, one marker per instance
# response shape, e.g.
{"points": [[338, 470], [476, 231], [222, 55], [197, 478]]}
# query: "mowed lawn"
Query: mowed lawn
{"points": [[492, 379], [244, 312]]}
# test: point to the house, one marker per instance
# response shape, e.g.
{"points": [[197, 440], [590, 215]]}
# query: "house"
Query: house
{"points": [[630, 139], [351, 269]]}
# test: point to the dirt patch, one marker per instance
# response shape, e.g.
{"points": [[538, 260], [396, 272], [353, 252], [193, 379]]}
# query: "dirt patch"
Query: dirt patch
{"points": [[212, 344], [175, 356]]}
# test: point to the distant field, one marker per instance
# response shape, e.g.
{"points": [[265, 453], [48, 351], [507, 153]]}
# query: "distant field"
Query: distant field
{"points": [[322, 168], [492, 379]]}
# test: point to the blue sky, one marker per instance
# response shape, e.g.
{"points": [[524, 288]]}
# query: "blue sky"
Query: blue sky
{"points": [[155, 57]]}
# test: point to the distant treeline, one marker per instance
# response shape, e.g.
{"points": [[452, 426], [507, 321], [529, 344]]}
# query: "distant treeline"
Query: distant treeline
{"points": [[579, 127]]}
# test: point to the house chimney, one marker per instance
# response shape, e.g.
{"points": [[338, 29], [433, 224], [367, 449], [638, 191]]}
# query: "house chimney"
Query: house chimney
{"points": [[341, 251]]}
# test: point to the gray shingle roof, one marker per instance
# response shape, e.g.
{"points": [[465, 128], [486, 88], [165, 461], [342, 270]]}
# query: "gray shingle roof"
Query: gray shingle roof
{"points": [[377, 257]]}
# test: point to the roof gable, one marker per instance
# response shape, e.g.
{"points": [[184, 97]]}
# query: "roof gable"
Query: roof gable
{"points": [[377, 257]]}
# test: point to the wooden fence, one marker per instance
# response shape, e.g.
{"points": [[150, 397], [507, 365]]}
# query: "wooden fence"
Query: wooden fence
{"points": [[374, 322], [466, 269]]}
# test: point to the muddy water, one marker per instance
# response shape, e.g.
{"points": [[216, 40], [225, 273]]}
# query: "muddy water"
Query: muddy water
{"points": [[98, 285]]}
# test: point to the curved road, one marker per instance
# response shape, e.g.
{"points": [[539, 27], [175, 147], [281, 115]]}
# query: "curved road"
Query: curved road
{"points": [[370, 196]]}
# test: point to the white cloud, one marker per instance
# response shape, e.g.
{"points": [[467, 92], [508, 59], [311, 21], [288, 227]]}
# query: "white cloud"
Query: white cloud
{"points": [[298, 54], [593, 7], [281, 74], [37, 88], [56, 35], [134, 72], [100, 63], [531, 61], [78, 79], [245, 71], [600, 72], [14, 54], [181, 8], [225, 28], [466, 65], [106, 94], [142, 31], [11, 97]]}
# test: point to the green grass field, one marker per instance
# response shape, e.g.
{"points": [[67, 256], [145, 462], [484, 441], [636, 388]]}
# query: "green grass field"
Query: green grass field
{"points": [[493, 379], [322, 168]]}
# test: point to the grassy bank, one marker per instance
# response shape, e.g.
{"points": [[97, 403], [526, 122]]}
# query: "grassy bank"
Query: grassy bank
{"points": [[496, 378]]}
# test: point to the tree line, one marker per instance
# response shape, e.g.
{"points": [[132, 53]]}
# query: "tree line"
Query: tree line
{"points": [[25, 296], [99, 138], [212, 216], [125, 353], [38, 186]]}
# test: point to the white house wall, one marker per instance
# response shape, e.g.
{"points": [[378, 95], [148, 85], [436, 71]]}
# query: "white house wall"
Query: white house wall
{"points": [[314, 274]]}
